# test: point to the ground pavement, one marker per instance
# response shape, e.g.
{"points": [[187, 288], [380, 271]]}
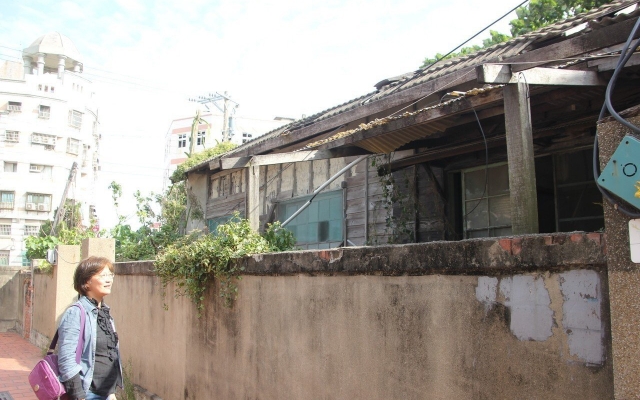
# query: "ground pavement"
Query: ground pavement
{"points": [[17, 358]]}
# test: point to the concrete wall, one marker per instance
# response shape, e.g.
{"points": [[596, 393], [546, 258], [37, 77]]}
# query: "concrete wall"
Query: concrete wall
{"points": [[498, 318], [10, 294]]}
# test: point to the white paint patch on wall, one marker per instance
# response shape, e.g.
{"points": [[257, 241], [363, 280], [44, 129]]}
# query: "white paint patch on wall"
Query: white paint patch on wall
{"points": [[581, 311], [486, 291], [529, 301], [532, 317]]}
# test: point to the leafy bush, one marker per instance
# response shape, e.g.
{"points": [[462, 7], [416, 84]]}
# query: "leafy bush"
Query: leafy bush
{"points": [[195, 159], [192, 262]]}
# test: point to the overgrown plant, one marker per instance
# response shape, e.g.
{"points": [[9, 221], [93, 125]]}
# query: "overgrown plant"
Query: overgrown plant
{"points": [[399, 208], [192, 262], [128, 391]]}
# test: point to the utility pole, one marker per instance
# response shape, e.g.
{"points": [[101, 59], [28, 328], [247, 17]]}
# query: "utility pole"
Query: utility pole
{"points": [[60, 212], [227, 110]]}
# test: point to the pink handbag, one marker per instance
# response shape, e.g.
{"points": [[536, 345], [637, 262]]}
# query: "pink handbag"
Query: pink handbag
{"points": [[44, 376]]}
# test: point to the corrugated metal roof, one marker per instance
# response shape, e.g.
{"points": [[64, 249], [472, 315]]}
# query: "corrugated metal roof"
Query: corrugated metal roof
{"points": [[501, 52]]}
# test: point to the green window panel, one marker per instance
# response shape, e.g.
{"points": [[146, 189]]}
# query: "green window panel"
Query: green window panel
{"points": [[320, 225]]}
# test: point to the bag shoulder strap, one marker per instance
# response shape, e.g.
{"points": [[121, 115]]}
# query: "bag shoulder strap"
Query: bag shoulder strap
{"points": [[80, 345]]}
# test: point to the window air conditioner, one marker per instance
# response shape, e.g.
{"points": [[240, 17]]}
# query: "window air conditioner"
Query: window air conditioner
{"points": [[41, 207], [35, 168], [30, 206]]}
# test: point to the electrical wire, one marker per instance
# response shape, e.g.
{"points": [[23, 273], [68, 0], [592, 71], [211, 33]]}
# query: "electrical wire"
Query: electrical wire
{"points": [[472, 37], [486, 164], [625, 54]]}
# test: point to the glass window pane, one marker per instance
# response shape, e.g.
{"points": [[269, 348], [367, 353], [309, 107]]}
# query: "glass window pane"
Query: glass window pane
{"points": [[477, 234], [323, 209], [335, 230], [498, 180], [477, 218], [500, 211], [313, 212], [501, 232], [579, 201], [474, 184], [312, 232], [335, 208]]}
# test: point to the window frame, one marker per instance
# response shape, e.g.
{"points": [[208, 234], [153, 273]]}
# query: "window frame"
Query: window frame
{"points": [[182, 140], [488, 228], [75, 119], [10, 136], [7, 205], [73, 144]]}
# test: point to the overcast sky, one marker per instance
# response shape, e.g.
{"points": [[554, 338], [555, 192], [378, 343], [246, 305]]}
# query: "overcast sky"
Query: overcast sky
{"points": [[275, 58]]}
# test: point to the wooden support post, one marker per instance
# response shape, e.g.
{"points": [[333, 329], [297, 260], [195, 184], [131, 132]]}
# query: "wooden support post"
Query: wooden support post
{"points": [[522, 174], [253, 196]]}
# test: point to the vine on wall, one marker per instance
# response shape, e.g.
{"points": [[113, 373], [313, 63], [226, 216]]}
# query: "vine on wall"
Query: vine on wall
{"points": [[193, 261], [397, 204]]}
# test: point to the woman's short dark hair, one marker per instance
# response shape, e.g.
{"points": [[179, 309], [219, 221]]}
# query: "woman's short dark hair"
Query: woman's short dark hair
{"points": [[86, 269]]}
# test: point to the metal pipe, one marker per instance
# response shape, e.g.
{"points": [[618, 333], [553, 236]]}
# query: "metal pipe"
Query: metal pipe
{"points": [[324, 185]]}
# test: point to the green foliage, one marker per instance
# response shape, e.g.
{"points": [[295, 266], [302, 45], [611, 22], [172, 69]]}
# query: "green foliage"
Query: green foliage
{"points": [[145, 242], [534, 15], [539, 13], [195, 159], [128, 391], [37, 246], [495, 38], [279, 238], [193, 261]]}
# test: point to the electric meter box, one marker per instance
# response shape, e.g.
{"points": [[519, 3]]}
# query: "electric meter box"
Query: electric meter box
{"points": [[621, 176]]}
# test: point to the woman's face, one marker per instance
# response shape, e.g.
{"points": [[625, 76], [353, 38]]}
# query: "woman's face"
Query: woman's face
{"points": [[100, 284]]}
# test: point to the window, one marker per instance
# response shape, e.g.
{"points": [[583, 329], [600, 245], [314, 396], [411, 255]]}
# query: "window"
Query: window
{"points": [[41, 138], [38, 202], [4, 257], [5, 229], [10, 166], [75, 118], [44, 112], [200, 138], [246, 137], [319, 226], [14, 106], [73, 146], [487, 210], [25, 261], [213, 223], [578, 200], [6, 200], [36, 168], [10, 136], [31, 230], [182, 140]]}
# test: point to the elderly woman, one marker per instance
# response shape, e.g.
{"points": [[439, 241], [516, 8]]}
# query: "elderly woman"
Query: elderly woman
{"points": [[100, 370]]}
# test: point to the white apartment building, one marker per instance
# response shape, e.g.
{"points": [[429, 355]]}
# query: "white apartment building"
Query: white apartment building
{"points": [[241, 130], [48, 121]]}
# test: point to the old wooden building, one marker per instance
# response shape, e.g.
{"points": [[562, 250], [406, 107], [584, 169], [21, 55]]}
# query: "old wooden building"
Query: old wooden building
{"points": [[496, 143]]}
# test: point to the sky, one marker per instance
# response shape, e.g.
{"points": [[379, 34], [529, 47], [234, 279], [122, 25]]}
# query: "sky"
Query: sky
{"points": [[284, 58]]}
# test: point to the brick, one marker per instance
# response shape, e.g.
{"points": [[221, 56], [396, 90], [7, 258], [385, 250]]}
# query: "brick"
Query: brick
{"points": [[516, 246], [505, 244]]}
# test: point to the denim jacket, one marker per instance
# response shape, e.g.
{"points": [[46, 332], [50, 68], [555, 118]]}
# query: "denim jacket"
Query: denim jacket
{"points": [[68, 336]]}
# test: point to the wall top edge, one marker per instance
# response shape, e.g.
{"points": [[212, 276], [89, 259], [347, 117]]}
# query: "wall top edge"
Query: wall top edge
{"points": [[493, 256]]}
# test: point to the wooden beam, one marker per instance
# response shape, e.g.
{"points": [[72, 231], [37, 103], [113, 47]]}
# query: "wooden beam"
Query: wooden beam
{"points": [[284, 158], [501, 74], [253, 197], [446, 111], [522, 175], [579, 45]]}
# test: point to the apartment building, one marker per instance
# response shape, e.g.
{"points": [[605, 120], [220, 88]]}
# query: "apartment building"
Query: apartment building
{"points": [[48, 121]]}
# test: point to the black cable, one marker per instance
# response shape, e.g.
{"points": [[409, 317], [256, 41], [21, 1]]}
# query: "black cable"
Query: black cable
{"points": [[472, 37], [625, 54], [486, 164]]}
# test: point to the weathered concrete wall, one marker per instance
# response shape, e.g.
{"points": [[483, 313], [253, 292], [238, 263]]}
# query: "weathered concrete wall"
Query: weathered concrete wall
{"points": [[624, 275], [43, 324], [10, 292], [496, 318]]}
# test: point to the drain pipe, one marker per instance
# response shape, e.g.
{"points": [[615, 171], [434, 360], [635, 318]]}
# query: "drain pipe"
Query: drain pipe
{"points": [[324, 185]]}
